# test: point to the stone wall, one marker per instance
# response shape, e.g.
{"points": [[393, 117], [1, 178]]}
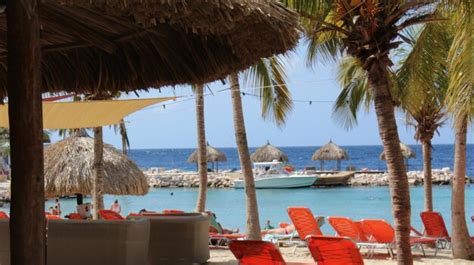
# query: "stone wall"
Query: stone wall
{"points": [[439, 176]]}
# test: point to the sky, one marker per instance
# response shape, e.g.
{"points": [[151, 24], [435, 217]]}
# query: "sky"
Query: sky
{"points": [[174, 125]]}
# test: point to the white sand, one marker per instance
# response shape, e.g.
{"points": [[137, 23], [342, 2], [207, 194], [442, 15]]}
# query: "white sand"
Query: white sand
{"points": [[225, 257]]}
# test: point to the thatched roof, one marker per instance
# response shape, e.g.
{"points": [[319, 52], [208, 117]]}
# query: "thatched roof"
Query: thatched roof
{"points": [[68, 169], [213, 155], [116, 45], [330, 151], [268, 153], [406, 152]]}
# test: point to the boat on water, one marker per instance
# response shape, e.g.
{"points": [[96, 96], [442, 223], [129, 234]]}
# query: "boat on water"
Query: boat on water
{"points": [[272, 175]]}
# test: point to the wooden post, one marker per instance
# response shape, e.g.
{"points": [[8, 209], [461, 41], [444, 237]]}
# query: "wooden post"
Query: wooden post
{"points": [[98, 183], [27, 224]]}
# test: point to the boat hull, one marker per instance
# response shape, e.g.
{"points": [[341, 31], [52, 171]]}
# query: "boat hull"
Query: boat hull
{"points": [[279, 182]]}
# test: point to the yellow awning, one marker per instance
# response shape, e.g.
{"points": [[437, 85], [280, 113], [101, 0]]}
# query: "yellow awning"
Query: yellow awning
{"points": [[85, 114]]}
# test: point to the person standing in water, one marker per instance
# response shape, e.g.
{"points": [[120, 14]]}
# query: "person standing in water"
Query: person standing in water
{"points": [[57, 206], [116, 207]]}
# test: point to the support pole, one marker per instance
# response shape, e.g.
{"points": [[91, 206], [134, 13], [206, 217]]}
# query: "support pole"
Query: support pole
{"points": [[27, 224], [98, 183]]}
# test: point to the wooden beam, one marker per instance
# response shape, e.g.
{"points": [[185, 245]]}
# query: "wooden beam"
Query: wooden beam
{"points": [[27, 224]]}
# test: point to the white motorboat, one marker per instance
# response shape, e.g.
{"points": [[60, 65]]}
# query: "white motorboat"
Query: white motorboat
{"points": [[271, 175]]}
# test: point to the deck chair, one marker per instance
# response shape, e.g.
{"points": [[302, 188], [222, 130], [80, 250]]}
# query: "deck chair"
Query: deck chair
{"points": [[254, 252], [304, 221], [74, 216], [436, 228], [110, 215], [3, 215], [329, 250], [382, 233], [172, 211], [52, 217]]}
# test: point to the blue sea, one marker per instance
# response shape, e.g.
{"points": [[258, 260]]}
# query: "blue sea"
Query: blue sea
{"points": [[354, 202]]}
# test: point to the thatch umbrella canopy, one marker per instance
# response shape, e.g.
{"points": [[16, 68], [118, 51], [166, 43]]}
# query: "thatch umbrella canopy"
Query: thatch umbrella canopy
{"points": [[268, 153], [407, 153], [213, 156], [330, 151], [68, 169], [120, 45]]}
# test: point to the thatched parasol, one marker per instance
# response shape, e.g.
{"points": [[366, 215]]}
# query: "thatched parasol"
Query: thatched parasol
{"points": [[120, 45], [330, 151], [407, 153], [213, 155], [268, 153], [68, 169]]}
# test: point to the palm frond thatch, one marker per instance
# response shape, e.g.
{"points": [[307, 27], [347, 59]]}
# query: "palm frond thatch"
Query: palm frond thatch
{"points": [[68, 169], [213, 155], [91, 46], [407, 152], [268, 153], [330, 151]]}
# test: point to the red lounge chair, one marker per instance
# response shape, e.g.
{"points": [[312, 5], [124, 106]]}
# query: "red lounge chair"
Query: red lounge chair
{"points": [[304, 222], [436, 228], [74, 216], [252, 252], [110, 215], [382, 233], [3, 215], [328, 250], [52, 217]]}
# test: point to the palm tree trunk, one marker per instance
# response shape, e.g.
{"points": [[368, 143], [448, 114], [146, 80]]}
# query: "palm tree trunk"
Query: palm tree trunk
{"points": [[253, 222], [27, 224], [98, 183], [427, 175], [202, 149], [399, 188], [462, 246]]}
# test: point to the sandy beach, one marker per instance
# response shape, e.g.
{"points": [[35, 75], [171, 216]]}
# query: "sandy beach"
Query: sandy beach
{"points": [[225, 257]]}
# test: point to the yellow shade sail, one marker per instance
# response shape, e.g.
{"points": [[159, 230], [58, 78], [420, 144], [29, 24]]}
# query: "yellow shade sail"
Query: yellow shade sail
{"points": [[86, 114]]}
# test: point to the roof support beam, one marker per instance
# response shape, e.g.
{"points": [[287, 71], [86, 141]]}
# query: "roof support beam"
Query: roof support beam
{"points": [[27, 224]]}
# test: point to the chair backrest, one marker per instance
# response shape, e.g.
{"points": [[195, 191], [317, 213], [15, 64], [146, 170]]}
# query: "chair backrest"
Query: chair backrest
{"points": [[362, 235], [304, 221], [380, 230], [110, 215], [344, 227], [3, 215], [253, 252], [329, 250], [434, 224]]}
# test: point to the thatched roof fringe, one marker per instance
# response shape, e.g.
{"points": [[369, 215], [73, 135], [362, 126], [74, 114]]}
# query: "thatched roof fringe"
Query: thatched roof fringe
{"points": [[117, 45], [407, 152], [68, 169], [330, 151], [268, 153], [213, 155]]}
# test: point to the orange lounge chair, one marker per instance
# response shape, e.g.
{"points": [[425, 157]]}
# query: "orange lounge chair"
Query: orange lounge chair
{"points": [[329, 250], [52, 217], [382, 232], [304, 222], [110, 215], [436, 228], [74, 216], [253, 252], [3, 215]]}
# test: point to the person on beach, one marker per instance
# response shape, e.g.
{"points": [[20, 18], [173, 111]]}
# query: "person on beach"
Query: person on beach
{"points": [[57, 206], [116, 207], [216, 227], [268, 226]]}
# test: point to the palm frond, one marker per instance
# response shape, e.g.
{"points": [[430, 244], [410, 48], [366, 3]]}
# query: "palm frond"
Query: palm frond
{"points": [[269, 76]]}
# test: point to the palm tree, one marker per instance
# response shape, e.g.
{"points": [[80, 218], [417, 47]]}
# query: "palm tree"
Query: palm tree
{"points": [[202, 147], [269, 77], [460, 101], [122, 129], [368, 31]]}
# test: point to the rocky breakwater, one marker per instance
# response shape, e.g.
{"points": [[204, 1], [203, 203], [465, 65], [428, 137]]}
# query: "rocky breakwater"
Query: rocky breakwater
{"points": [[439, 176], [176, 178]]}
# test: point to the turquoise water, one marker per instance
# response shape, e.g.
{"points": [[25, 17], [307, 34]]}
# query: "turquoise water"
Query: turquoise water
{"points": [[229, 204]]}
